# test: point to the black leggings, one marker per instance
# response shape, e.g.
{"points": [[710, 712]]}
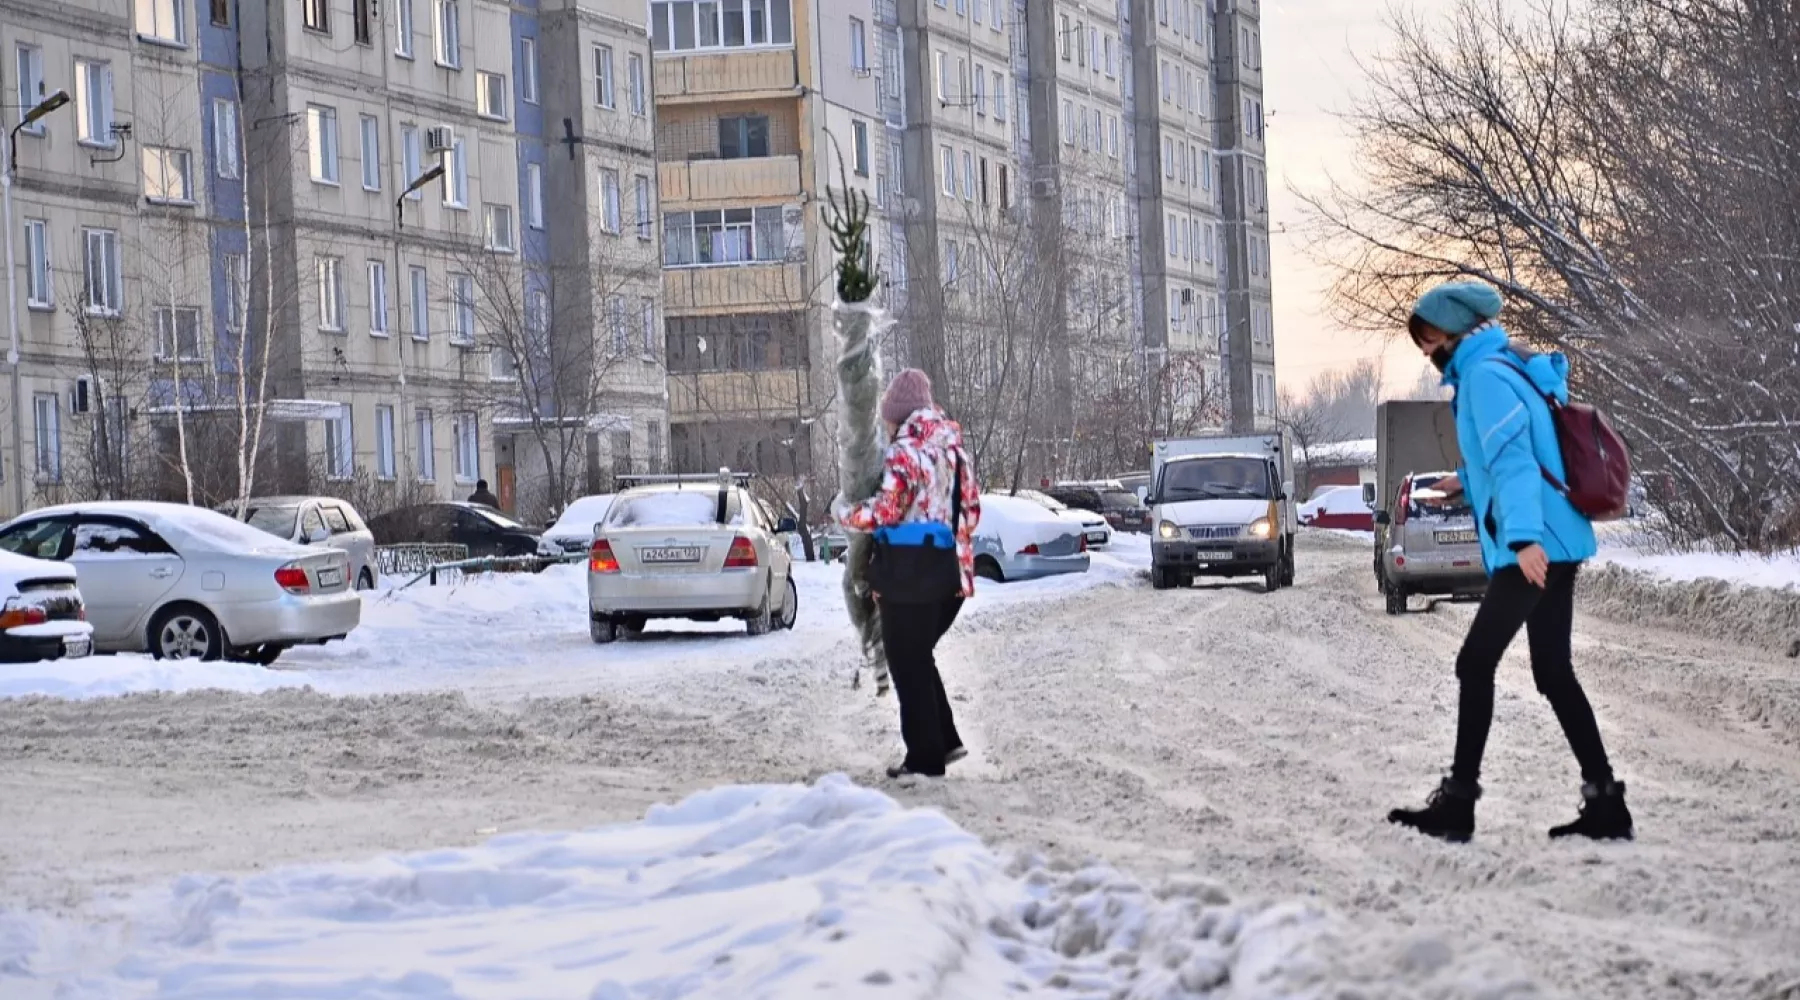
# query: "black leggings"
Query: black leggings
{"points": [[910, 634], [1548, 616]]}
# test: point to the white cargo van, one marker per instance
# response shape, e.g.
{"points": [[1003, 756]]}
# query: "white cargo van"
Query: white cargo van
{"points": [[1222, 505]]}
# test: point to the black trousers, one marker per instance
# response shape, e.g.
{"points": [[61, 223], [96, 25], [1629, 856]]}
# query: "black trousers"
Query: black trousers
{"points": [[1548, 617], [909, 635]]}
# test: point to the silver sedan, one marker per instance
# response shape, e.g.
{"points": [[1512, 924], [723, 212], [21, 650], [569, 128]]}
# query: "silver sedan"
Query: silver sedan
{"points": [[179, 582]]}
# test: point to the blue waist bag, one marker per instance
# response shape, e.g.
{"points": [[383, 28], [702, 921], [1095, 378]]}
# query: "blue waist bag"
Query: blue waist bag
{"points": [[916, 563]]}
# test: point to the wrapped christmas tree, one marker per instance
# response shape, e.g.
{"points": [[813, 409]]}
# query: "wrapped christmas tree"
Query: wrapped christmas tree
{"points": [[859, 325]]}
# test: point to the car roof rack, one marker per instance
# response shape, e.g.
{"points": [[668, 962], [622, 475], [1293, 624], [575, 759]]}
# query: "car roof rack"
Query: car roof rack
{"points": [[723, 477]]}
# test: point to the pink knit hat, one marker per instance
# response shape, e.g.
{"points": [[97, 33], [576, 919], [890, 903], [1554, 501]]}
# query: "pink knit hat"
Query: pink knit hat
{"points": [[908, 393]]}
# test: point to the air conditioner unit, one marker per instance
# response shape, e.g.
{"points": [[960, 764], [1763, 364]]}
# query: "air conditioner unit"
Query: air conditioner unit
{"points": [[1043, 189], [439, 139], [81, 398]]}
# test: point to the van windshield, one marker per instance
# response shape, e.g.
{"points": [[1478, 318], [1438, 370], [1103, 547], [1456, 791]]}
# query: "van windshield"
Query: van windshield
{"points": [[1206, 478]]}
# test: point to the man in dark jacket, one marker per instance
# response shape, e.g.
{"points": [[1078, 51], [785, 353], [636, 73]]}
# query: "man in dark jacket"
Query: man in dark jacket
{"points": [[482, 496]]}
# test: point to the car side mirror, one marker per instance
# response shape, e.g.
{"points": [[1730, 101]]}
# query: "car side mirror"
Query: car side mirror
{"points": [[786, 526], [1281, 497], [1381, 517], [1368, 494]]}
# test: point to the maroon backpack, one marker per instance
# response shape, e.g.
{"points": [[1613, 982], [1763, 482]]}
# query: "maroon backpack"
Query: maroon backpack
{"points": [[1596, 460]]}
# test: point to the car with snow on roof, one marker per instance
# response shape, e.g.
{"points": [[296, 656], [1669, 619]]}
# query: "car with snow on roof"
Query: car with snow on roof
{"points": [[42, 615], [1020, 539]]}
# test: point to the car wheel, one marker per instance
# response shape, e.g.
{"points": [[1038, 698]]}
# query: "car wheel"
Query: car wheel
{"points": [[790, 607], [632, 628], [1272, 578], [762, 620], [602, 630], [1396, 598], [185, 632], [366, 579], [1287, 567], [1161, 578], [988, 568]]}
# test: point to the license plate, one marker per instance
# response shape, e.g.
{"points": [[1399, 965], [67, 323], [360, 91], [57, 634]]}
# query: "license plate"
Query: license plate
{"points": [[73, 647], [671, 554], [1454, 537], [1213, 556], [331, 577]]}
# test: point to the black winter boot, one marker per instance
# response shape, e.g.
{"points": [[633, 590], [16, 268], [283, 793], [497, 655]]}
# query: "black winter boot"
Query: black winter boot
{"points": [[1449, 812], [1603, 814]]}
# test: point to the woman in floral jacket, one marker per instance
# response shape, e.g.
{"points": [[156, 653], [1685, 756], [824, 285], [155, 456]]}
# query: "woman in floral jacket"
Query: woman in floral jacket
{"points": [[918, 484]]}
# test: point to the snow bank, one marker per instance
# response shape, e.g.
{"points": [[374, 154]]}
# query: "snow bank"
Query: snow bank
{"points": [[105, 676], [742, 892]]}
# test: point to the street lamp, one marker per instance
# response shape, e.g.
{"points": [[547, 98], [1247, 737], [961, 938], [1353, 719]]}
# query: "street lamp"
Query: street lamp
{"points": [[13, 358]]}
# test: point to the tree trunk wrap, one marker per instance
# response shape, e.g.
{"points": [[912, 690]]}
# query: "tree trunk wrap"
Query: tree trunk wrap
{"points": [[859, 326]]}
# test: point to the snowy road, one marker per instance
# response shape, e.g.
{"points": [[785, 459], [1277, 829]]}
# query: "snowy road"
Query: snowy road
{"points": [[1255, 738]]}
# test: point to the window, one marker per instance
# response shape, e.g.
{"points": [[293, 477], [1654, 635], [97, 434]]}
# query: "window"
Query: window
{"points": [[952, 267], [322, 143], [859, 147], [948, 168], [316, 15], [534, 195], [168, 175], [37, 265], [724, 236], [225, 139], [421, 303], [331, 293], [968, 176], [1112, 56], [177, 334], [31, 85], [980, 90], [647, 323], [603, 75], [962, 8], [237, 289], [403, 28], [999, 97], [449, 33], [645, 219], [47, 433], [983, 178], [618, 323], [221, 13], [685, 25], [634, 78], [1005, 191], [490, 95], [378, 299], [411, 154], [94, 102], [743, 136], [468, 447], [503, 365], [859, 45], [371, 153], [1062, 32], [527, 70], [456, 178], [384, 441], [103, 275], [340, 445], [1112, 137], [943, 77], [609, 200], [462, 309], [1068, 122], [498, 222], [425, 441], [362, 21]]}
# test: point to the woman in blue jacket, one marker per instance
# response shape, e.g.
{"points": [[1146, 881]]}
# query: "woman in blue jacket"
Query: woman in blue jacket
{"points": [[1533, 542]]}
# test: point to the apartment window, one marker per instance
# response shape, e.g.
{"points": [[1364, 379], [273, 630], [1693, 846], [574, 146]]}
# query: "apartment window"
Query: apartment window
{"points": [[384, 441], [999, 96], [490, 93], [31, 85], [403, 28], [647, 323], [237, 289], [378, 299], [168, 175], [1112, 56], [371, 153], [685, 25], [497, 220], [221, 13], [225, 139], [980, 90], [177, 334], [644, 218], [331, 294], [94, 102], [504, 366], [859, 147], [968, 176], [322, 143], [962, 8], [411, 155], [617, 322], [449, 33], [37, 265], [534, 195], [362, 19], [948, 168], [456, 178], [634, 78], [962, 80], [1112, 136], [47, 433], [527, 70], [1005, 189], [467, 435], [603, 75], [340, 445], [421, 303], [103, 276], [943, 76], [743, 136], [1068, 122], [316, 15], [462, 309], [983, 178], [952, 266], [1062, 32], [1093, 35], [859, 45], [724, 236], [609, 200], [425, 440]]}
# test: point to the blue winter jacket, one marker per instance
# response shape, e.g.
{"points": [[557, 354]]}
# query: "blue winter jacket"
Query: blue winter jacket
{"points": [[1508, 441]]}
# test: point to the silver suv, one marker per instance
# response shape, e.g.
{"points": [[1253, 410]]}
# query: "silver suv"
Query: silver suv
{"points": [[1427, 547]]}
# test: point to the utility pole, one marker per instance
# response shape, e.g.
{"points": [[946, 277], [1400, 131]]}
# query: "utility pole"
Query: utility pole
{"points": [[14, 356]]}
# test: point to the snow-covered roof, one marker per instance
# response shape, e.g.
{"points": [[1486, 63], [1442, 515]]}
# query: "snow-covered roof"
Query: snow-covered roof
{"points": [[579, 518], [15, 568], [207, 528], [1360, 453]]}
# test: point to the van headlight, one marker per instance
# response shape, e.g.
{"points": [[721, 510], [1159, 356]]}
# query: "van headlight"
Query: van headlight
{"points": [[1259, 528], [1168, 529]]}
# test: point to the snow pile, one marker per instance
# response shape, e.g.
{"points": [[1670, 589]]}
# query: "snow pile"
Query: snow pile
{"points": [[106, 676], [740, 892]]}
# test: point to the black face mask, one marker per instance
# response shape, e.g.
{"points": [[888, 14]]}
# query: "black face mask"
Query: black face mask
{"points": [[1440, 358]]}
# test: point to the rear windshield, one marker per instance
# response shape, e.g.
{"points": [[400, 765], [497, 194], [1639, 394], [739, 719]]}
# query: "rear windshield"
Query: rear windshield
{"points": [[1425, 487], [1114, 501], [277, 521], [672, 509], [1206, 478]]}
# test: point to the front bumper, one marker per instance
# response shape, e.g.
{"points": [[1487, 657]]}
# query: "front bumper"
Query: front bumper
{"points": [[1231, 557], [292, 621], [726, 592]]}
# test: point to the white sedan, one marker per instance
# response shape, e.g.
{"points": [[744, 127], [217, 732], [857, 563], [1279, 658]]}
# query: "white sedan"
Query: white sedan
{"points": [[42, 616]]}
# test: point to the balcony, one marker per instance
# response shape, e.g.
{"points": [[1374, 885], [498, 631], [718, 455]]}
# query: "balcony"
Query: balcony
{"points": [[725, 395], [723, 287], [689, 78], [739, 180]]}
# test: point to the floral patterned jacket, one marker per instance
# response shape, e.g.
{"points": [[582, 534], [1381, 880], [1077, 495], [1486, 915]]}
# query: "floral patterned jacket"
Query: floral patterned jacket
{"points": [[918, 473]]}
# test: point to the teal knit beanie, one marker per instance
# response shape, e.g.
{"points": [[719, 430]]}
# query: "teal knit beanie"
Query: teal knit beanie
{"points": [[1455, 307]]}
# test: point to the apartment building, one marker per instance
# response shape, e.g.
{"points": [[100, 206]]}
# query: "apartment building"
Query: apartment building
{"points": [[763, 108]]}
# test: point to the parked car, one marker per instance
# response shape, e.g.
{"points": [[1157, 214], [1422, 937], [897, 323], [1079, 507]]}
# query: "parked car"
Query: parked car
{"points": [[1020, 539], [325, 522], [484, 531], [1094, 527], [42, 615], [180, 582], [1110, 499], [1432, 549], [690, 547], [573, 531], [1340, 508]]}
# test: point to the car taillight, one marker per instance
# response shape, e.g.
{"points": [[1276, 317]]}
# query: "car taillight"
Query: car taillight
{"points": [[293, 579], [742, 554], [1083, 547], [601, 558], [1032, 549], [1405, 499], [12, 616]]}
